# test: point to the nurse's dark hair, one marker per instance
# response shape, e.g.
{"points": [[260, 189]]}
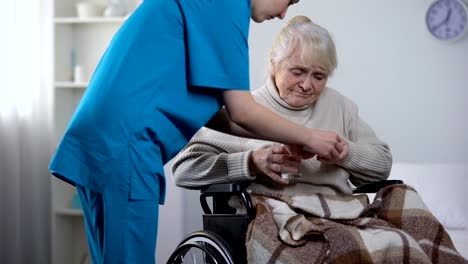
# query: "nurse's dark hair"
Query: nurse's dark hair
{"points": [[314, 42]]}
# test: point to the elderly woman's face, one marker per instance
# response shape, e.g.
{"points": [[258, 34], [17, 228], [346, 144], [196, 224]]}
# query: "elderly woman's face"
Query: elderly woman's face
{"points": [[299, 82]]}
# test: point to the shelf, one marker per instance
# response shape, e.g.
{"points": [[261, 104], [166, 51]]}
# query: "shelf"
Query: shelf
{"points": [[71, 85], [88, 20], [69, 212]]}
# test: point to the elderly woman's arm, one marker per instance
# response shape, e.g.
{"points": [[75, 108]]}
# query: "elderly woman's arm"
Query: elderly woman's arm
{"points": [[369, 159], [211, 157]]}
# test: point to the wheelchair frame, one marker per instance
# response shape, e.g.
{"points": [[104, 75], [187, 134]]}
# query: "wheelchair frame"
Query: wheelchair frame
{"points": [[224, 232]]}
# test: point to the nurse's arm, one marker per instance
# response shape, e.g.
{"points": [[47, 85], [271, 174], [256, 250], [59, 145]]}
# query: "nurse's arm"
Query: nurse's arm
{"points": [[221, 122], [244, 117]]}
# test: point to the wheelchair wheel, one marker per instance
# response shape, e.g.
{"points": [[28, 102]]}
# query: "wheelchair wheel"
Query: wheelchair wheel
{"points": [[202, 247]]}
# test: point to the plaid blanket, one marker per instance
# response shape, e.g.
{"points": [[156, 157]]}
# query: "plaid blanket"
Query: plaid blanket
{"points": [[396, 227]]}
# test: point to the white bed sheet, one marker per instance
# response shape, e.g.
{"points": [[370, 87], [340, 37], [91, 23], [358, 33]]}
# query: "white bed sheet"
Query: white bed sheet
{"points": [[460, 240]]}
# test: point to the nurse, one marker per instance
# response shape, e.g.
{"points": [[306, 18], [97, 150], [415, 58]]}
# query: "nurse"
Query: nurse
{"points": [[167, 72]]}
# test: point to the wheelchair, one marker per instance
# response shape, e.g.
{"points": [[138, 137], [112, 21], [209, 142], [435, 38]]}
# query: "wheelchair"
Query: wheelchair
{"points": [[222, 240]]}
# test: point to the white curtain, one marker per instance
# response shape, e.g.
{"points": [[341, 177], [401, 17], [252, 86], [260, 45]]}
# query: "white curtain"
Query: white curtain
{"points": [[25, 130]]}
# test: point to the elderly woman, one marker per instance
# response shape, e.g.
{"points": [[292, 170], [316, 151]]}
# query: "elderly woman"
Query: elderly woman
{"points": [[302, 59], [316, 214]]}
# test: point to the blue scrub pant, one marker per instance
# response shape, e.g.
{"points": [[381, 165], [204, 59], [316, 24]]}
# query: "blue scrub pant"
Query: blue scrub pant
{"points": [[119, 230]]}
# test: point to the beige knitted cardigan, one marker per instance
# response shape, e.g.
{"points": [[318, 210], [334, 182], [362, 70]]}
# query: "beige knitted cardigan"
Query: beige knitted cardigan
{"points": [[213, 157]]}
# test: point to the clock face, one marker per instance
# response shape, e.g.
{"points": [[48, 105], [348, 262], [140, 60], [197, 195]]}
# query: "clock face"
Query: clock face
{"points": [[447, 19]]}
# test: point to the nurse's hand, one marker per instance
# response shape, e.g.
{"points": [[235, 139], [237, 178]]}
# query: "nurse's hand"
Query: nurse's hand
{"points": [[343, 154], [272, 161], [299, 152], [327, 145]]}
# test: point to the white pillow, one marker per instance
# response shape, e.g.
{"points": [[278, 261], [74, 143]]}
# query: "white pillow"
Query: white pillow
{"points": [[442, 188]]}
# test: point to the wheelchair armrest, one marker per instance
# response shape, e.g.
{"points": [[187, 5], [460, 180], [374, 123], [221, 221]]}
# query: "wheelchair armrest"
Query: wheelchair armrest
{"points": [[234, 187], [223, 191], [375, 186]]}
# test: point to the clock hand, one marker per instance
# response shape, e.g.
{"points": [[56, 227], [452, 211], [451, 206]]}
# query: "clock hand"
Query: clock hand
{"points": [[449, 14]]}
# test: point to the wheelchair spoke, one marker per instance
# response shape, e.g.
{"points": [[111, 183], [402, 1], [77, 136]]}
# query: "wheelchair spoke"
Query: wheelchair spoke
{"points": [[194, 260], [203, 248]]}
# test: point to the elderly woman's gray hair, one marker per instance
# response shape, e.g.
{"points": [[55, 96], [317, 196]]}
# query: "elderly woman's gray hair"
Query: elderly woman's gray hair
{"points": [[314, 41]]}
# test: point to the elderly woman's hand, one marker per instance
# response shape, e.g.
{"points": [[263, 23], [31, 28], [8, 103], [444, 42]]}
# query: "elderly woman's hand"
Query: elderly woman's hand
{"points": [[272, 161]]}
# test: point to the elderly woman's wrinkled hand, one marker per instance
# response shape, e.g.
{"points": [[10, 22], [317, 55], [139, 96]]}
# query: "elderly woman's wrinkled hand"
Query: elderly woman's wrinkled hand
{"points": [[273, 161]]}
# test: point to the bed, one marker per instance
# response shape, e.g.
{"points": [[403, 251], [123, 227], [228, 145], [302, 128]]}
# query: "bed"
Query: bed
{"points": [[443, 188]]}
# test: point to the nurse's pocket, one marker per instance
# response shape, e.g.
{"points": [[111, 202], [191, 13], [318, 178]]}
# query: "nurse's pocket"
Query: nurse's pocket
{"points": [[146, 171]]}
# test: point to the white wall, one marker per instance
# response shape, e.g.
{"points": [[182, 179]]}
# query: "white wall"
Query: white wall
{"points": [[171, 219], [410, 87], [180, 216]]}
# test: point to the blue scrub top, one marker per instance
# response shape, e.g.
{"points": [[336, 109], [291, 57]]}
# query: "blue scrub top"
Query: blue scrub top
{"points": [[159, 81]]}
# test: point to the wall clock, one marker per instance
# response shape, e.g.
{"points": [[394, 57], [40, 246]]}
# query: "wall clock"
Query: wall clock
{"points": [[447, 19]]}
